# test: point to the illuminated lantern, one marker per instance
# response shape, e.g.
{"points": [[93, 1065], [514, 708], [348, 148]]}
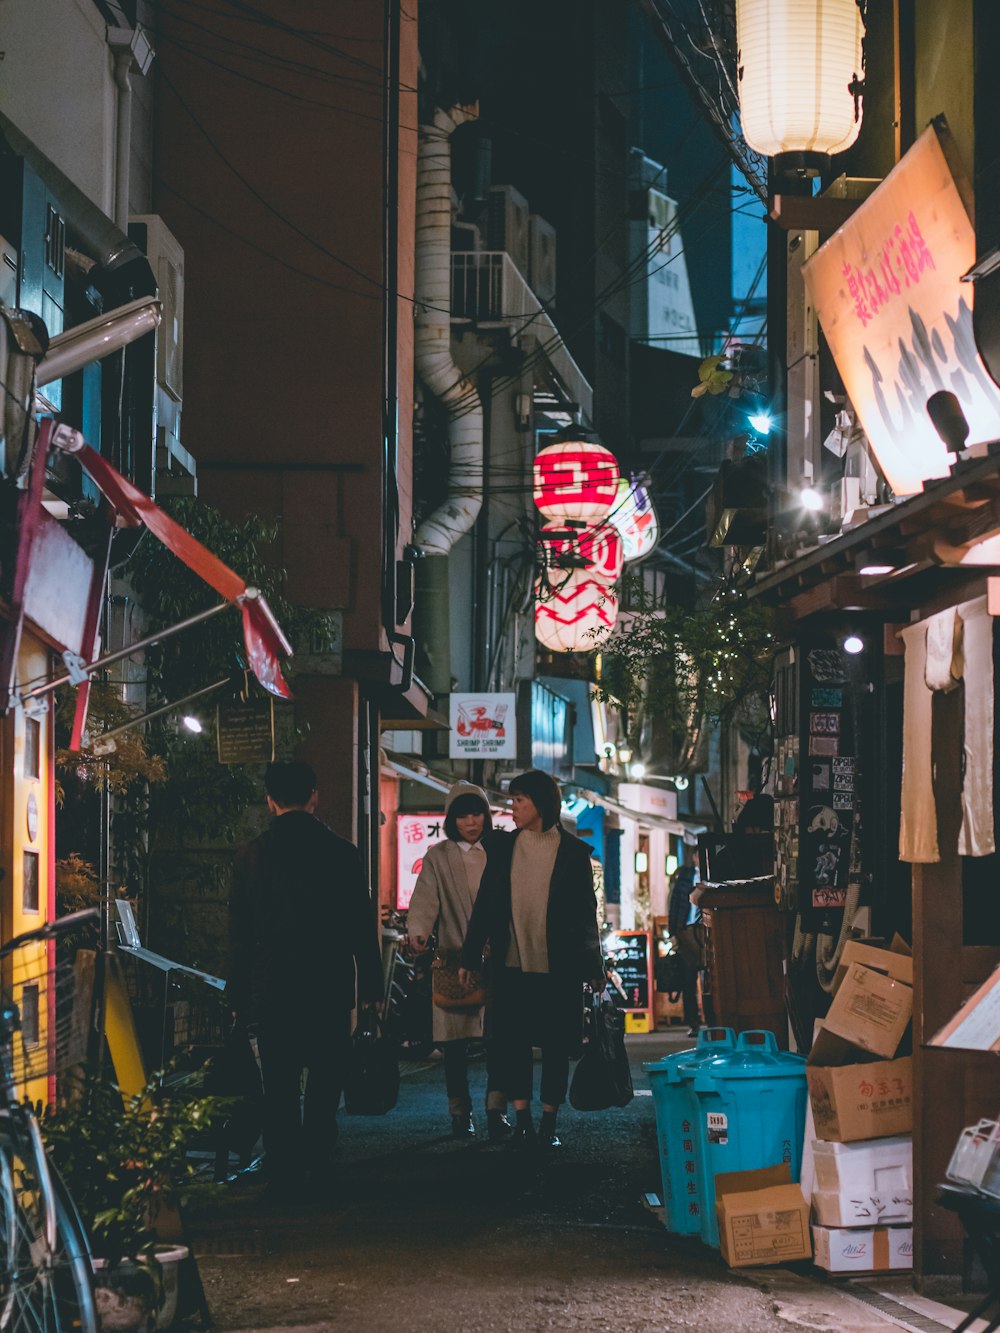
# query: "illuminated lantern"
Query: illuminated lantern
{"points": [[575, 480], [599, 551], [573, 615], [799, 66], [635, 518]]}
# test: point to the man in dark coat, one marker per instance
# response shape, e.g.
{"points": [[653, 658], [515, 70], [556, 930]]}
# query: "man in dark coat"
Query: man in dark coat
{"points": [[300, 920], [687, 945]]}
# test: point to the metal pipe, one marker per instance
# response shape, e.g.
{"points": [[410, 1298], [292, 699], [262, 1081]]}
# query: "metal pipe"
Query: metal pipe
{"points": [[123, 134], [158, 712], [97, 338], [131, 648]]}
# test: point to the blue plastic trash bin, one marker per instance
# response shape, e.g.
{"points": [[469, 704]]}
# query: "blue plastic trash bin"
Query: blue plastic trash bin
{"points": [[676, 1109], [751, 1114]]}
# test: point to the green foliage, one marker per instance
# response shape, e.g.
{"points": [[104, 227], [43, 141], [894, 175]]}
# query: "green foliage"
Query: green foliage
{"points": [[680, 664], [123, 1159]]}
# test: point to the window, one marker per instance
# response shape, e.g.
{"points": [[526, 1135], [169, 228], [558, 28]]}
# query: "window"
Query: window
{"points": [[30, 1026], [29, 896], [32, 747]]}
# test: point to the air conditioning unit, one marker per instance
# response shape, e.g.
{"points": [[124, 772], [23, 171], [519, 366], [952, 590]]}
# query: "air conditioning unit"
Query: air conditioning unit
{"points": [[166, 258], [507, 224], [542, 259]]}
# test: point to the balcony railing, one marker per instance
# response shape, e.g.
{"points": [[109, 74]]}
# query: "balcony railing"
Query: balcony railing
{"points": [[488, 288]]}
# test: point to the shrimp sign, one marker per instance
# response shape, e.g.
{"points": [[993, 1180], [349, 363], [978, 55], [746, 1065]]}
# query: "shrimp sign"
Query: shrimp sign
{"points": [[482, 727]]}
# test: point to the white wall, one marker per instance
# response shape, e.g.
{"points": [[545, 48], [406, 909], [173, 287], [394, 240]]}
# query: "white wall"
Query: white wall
{"points": [[58, 88], [629, 842]]}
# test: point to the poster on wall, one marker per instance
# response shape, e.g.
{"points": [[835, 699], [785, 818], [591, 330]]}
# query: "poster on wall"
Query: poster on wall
{"points": [[482, 727], [415, 834]]}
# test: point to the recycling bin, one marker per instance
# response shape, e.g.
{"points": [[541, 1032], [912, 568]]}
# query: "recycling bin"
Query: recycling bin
{"points": [[676, 1110], [751, 1114]]}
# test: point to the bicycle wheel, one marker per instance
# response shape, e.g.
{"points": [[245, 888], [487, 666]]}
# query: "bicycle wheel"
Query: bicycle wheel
{"points": [[43, 1288]]}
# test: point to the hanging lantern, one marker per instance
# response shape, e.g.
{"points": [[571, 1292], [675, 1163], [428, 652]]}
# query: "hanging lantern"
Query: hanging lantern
{"points": [[566, 546], [575, 480], [573, 615], [635, 518], [800, 65]]}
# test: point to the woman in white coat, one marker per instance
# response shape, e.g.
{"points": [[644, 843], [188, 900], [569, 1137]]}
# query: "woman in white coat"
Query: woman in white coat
{"points": [[441, 905]]}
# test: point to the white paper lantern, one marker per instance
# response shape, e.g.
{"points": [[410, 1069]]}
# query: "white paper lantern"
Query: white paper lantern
{"points": [[798, 64], [599, 551], [635, 518], [573, 615], [576, 480]]}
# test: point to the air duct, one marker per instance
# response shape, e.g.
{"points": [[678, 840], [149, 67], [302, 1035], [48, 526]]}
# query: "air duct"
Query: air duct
{"points": [[435, 365]]}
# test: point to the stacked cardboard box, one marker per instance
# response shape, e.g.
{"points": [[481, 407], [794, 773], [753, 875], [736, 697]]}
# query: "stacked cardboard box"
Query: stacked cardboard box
{"points": [[861, 1095]]}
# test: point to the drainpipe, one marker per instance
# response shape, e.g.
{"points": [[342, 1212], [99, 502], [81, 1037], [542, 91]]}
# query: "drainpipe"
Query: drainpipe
{"points": [[130, 49], [436, 367]]}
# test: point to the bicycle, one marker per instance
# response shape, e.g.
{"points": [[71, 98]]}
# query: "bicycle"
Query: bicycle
{"points": [[46, 1278]]}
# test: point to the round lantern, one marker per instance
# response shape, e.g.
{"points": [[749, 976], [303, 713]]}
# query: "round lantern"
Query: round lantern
{"points": [[575, 480], [799, 64], [599, 551], [635, 518], [573, 615]]}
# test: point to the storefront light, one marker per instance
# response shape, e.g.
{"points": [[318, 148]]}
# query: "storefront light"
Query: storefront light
{"points": [[193, 724], [638, 769], [811, 499], [641, 862], [854, 644], [670, 866], [624, 754]]}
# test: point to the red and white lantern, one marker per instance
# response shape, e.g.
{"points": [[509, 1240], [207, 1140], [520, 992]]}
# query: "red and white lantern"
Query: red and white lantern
{"points": [[574, 613], [575, 481], [599, 551]]}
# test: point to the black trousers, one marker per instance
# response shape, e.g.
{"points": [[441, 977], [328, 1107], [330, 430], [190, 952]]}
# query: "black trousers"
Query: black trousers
{"points": [[299, 1132], [531, 1009], [456, 1077]]}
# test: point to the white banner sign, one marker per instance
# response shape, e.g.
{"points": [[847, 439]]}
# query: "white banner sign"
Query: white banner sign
{"points": [[482, 727], [415, 834]]}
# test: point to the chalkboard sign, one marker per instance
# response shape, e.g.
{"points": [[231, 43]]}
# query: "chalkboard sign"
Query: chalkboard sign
{"points": [[628, 953], [245, 732]]}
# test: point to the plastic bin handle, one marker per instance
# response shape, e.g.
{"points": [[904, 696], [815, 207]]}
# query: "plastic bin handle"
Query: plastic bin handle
{"points": [[717, 1037], [757, 1039]]}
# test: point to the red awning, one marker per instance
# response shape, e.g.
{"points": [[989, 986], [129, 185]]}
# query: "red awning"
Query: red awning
{"points": [[265, 642]]}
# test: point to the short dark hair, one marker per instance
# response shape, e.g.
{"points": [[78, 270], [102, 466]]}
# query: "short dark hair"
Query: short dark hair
{"points": [[289, 782], [466, 804], [757, 813], [543, 789]]}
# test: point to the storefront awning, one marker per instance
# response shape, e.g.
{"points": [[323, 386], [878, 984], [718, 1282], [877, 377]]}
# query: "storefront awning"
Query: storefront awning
{"points": [[415, 775], [265, 642], [680, 828]]}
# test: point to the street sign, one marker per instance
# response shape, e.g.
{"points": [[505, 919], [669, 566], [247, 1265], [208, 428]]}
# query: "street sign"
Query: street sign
{"points": [[482, 727], [245, 731]]}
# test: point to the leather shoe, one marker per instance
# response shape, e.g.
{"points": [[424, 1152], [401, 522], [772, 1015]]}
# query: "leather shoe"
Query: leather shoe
{"points": [[499, 1126], [549, 1142], [522, 1136], [462, 1126]]}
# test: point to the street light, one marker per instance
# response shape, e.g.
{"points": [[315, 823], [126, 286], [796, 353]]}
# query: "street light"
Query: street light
{"points": [[801, 64], [193, 724], [854, 644], [811, 499]]}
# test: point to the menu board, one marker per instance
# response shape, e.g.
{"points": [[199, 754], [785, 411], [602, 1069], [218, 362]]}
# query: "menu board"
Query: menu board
{"points": [[629, 954]]}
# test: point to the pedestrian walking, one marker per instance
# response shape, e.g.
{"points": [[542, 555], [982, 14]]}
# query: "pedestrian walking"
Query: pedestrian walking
{"points": [[537, 912], [683, 923], [441, 905], [301, 925]]}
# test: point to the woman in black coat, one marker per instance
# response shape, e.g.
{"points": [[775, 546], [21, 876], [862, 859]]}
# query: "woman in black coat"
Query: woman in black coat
{"points": [[537, 911]]}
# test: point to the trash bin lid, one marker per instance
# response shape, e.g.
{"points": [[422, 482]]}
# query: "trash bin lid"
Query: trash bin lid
{"points": [[711, 1043], [756, 1056]]}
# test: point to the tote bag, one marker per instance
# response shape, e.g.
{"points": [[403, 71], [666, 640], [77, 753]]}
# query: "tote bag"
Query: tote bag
{"points": [[602, 1079]]}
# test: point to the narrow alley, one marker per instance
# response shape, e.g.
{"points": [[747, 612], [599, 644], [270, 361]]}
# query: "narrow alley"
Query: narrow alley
{"points": [[425, 1232]]}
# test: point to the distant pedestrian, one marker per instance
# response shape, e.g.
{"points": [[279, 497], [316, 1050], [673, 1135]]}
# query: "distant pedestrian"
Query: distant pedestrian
{"points": [[441, 905], [537, 912], [301, 921], [683, 923]]}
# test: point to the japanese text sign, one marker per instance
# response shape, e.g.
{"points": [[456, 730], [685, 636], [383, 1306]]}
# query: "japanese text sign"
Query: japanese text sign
{"points": [[888, 293], [415, 835]]}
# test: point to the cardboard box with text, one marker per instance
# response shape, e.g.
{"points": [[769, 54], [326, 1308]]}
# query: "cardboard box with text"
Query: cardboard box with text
{"points": [[763, 1218], [855, 1098]]}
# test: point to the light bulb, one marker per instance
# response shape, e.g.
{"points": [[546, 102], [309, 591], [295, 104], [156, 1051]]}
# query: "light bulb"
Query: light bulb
{"points": [[854, 645], [761, 422], [193, 724], [638, 769], [811, 499]]}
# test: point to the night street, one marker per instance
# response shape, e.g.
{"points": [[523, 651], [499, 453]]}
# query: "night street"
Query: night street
{"points": [[428, 1233]]}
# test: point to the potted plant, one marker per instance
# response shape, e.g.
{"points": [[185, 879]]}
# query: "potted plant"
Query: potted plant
{"points": [[124, 1159]]}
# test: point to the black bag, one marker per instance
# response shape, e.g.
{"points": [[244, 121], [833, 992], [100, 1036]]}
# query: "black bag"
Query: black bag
{"points": [[670, 974], [602, 1079], [372, 1083]]}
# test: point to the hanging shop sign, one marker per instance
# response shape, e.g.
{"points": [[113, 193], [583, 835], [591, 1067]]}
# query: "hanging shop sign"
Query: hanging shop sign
{"points": [[575, 613], [482, 727], [415, 835], [245, 731], [888, 292], [577, 479], [635, 518]]}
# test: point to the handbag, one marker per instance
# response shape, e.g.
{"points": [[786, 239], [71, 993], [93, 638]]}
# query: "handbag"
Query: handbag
{"points": [[602, 1078], [447, 991], [372, 1083]]}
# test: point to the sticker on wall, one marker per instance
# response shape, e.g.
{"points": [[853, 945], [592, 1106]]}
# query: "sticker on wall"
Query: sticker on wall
{"points": [[824, 724], [823, 745], [826, 696], [821, 776]]}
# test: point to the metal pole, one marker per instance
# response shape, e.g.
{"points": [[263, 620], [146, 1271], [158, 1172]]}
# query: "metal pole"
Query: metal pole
{"points": [[110, 658], [167, 708]]}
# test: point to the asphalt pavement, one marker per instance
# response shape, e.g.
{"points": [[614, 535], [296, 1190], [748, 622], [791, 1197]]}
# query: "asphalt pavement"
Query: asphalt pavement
{"points": [[420, 1231]]}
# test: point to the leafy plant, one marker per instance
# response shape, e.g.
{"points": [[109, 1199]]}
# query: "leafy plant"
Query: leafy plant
{"points": [[680, 664], [123, 1159]]}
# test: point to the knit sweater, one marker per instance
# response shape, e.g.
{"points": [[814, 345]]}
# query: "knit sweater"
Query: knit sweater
{"points": [[530, 879]]}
